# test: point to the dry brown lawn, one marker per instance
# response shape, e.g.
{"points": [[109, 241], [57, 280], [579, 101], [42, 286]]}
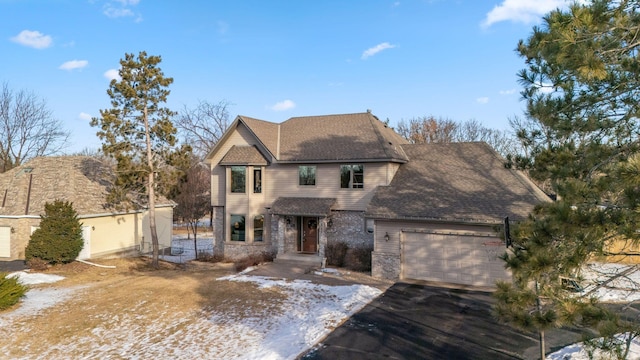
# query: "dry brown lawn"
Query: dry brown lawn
{"points": [[159, 303]]}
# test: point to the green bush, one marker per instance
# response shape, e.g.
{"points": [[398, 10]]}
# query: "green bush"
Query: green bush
{"points": [[59, 237], [359, 259], [10, 291], [335, 253]]}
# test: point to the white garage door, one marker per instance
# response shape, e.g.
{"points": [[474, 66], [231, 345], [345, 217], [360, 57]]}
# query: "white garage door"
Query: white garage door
{"points": [[457, 259], [5, 241]]}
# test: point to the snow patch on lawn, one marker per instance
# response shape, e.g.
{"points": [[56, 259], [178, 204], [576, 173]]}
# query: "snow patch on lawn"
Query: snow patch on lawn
{"points": [[27, 278]]}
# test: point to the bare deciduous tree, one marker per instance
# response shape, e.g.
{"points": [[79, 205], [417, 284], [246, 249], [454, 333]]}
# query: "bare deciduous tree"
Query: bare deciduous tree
{"points": [[27, 128], [194, 199], [428, 129], [203, 126]]}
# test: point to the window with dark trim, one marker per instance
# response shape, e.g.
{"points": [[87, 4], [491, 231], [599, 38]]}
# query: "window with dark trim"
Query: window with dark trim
{"points": [[257, 180], [237, 227], [306, 175], [352, 176], [258, 226], [238, 179]]}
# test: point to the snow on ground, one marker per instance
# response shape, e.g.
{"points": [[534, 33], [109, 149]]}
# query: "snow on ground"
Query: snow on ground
{"points": [[307, 314], [37, 299], [624, 288]]}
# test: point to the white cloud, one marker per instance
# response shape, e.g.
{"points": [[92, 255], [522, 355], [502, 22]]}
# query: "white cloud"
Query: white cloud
{"points": [[524, 11], [482, 100], [283, 105], [116, 13], [73, 64], [121, 8], [112, 74], [376, 49], [34, 39], [84, 116], [508, 92]]}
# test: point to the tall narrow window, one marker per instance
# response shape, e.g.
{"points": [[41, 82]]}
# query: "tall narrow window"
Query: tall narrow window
{"points": [[257, 180], [352, 176], [258, 226], [306, 175], [238, 179], [237, 228]]}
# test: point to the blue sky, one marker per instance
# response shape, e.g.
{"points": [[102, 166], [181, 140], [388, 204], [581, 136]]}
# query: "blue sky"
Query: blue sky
{"points": [[273, 60]]}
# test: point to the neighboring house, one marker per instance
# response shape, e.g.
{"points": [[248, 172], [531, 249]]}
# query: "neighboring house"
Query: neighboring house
{"points": [[83, 181], [294, 187]]}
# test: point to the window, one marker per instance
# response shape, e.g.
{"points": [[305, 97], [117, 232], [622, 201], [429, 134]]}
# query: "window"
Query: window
{"points": [[237, 227], [238, 179], [352, 176], [257, 180], [258, 225], [307, 175]]}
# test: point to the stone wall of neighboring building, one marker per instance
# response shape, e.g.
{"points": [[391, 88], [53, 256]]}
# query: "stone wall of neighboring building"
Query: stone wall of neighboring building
{"points": [[348, 227], [385, 266]]}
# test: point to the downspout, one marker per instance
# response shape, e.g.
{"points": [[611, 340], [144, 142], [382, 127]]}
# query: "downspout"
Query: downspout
{"points": [[4, 198], [26, 210]]}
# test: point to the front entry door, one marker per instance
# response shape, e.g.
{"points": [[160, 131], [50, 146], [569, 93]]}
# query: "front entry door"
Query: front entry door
{"points": [[310, 234]]}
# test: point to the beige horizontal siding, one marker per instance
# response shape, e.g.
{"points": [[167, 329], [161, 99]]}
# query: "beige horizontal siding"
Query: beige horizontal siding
{"points": [[282, 181]]}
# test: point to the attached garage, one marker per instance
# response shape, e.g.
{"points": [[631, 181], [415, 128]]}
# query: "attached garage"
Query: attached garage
{"points": [[452, 258], [5, 241], [440, 217]]}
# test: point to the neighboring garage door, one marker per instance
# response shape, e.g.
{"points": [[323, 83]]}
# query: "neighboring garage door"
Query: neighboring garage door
{"points": [[453, 258], [5, 241]]}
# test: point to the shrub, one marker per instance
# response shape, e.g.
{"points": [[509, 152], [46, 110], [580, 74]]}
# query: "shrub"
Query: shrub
{"points": [[59, 237], [10, 291], [359, 258], [209, 257], [336, 252], [253, 260], [37, 264]]}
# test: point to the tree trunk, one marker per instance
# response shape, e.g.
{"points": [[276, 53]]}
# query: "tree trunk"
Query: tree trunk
{"points": [[152, 195], [541, 331], [195, 238]]}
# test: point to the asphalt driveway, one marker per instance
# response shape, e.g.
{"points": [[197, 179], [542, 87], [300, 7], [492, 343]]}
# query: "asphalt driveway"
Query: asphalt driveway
{"points": [[423, 322]]}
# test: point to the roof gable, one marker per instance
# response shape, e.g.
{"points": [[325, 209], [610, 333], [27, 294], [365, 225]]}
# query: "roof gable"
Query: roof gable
{"points": [[456, 182]]}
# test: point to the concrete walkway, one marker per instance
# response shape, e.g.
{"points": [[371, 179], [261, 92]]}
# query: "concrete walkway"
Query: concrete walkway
{"points": [[292, 270]]}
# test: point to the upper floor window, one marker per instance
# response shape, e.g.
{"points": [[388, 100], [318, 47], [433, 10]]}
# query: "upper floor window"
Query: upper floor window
{"points": [[352, 176], [306, 175], [238, 179], [257, 180]]}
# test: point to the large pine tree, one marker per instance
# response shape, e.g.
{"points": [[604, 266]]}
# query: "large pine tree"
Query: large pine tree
{"points": [[582, 91], [138, 133]]}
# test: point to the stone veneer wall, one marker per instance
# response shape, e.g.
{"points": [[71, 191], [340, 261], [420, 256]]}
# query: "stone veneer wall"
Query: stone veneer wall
{"points": [[20, 236], [237, 250], [349, 227], [385, 266], [217, 225]]}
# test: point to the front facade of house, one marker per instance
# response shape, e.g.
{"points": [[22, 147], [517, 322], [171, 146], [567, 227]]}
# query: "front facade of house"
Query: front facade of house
{"points": [[82, 181], [294, 187]]}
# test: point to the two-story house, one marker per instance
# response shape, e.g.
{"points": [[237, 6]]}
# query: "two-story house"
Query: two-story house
{"points": [[293, 187]]}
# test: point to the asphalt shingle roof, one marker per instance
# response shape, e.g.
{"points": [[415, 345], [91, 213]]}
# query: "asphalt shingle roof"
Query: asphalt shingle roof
{"points": [[243, 155], [343, 137], [464, 182], [82, 180]]}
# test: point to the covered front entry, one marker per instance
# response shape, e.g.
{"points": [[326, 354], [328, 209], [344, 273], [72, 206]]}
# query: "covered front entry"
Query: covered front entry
{"points": [[309, 235], [453, 258]]}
